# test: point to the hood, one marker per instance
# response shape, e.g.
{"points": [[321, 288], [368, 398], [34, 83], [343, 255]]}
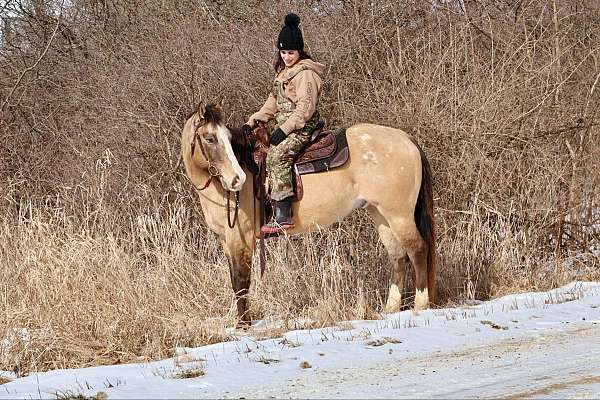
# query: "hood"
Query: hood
{"points": [[313, 65]]}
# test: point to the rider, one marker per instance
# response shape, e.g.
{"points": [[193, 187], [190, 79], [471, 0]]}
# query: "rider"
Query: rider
{"points": [[293, 103]]}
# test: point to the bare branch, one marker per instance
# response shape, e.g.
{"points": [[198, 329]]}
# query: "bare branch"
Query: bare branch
{"points": [[5, 6], [32, 67]]}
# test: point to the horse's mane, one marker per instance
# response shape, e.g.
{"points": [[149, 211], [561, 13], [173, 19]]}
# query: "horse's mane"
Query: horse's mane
{"points": [[242, 148], [212, 113]]}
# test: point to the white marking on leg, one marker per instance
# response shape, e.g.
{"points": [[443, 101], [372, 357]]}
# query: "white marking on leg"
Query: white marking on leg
{"points": [[225, 138], [365, 137], [421, 300], [394, 301]]}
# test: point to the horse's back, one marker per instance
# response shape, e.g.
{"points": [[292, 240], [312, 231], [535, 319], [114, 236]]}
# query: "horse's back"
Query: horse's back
{"points": [[380, 146], [385, 133]]}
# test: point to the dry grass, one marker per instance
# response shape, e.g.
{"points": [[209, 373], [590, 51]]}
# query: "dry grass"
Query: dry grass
{"points": [[81, 297], [189, 372], [105, 257], [78, 396]]}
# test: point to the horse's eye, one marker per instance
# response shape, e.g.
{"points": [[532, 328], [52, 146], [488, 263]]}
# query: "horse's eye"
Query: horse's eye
{"points": [[211, 139]]}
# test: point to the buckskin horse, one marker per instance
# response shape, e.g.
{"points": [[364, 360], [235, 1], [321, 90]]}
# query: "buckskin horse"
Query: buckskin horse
{"points": [[387, 173]]}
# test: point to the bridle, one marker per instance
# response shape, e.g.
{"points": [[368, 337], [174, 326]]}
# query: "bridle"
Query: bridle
{"points": [[214, 172]]}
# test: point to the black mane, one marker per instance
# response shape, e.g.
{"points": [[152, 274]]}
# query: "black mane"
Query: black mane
{"points": [[212, 114], [242, 148]]}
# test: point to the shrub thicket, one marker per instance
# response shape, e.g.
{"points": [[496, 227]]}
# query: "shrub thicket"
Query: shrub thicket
{"points": [[103, 252]]}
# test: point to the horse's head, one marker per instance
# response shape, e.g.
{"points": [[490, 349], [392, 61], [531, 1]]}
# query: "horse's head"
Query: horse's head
{"points": [[210, 146]]}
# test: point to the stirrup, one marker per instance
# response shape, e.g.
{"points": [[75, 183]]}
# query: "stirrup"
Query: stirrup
{"points": [[275, 227]]}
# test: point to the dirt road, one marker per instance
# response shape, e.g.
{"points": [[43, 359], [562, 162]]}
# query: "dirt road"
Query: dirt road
{"points": [[558, 364]]}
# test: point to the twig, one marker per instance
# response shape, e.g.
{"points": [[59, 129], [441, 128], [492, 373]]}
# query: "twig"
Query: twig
{"points": [[32, 67], [5, 6], [594, 84]]}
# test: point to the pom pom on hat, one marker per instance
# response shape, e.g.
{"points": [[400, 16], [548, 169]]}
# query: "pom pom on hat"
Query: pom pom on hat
{"points": [[290, 37], [292, 20]]}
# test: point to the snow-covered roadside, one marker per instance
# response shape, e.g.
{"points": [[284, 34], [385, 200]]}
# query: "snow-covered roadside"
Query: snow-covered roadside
{"points": [[526, 345]]}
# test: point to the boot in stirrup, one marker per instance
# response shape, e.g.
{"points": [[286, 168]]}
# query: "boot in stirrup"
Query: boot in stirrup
{"points": [[282, 219]]}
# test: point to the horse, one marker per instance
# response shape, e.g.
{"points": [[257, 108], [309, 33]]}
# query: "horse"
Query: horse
{"points": [[387, 174]]}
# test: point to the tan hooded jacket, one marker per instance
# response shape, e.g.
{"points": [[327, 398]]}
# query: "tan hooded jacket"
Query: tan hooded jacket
{"points": [[303, 90]]}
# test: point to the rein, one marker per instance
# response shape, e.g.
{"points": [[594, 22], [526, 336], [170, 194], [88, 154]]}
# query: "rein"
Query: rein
{"points": [[235, 213], [261, 218], [214, 172], [260, 145]]}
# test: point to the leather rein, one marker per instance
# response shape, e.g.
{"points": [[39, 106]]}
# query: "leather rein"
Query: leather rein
{"points": [[214, 172]]}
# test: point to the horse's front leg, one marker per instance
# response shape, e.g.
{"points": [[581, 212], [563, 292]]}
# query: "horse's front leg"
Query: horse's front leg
{"points": [[240, 263]]}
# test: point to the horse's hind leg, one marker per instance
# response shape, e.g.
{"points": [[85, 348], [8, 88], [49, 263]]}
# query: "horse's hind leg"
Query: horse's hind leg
{"points": [[407, 233], [417, 249], [397, 256]]}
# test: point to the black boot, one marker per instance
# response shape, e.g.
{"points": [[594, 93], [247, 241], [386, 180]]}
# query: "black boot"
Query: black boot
{"points": [[283, 217]]}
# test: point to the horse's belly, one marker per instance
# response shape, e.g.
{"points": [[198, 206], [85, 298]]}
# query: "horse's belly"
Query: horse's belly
{"points": [[328, 198]]}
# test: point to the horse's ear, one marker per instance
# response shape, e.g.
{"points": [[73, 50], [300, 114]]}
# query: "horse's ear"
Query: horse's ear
{"points": [[200, 111], [218, 107]]}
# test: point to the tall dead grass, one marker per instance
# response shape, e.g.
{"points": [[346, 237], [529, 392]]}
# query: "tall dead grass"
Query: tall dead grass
{"points": [[82, 295], [105, 257]]}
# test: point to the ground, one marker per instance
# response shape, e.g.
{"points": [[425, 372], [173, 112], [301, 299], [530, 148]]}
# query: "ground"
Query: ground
{"points": [[534, 345]]}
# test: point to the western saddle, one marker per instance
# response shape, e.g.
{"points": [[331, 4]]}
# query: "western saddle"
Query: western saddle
{"points": [[326, 150]]}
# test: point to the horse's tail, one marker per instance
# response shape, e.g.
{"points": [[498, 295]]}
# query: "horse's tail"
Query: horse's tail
{"points": [[425, 223]]}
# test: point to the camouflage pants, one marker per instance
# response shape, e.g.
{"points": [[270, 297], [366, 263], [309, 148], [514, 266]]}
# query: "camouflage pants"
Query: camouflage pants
{"points": [[280, 160]]}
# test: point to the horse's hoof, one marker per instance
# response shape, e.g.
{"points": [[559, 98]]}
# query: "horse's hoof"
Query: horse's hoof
{"points": [[394, 302], [392, 308], [421, 300]]}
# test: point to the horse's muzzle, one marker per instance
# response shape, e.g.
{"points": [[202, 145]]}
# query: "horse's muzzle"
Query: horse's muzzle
{"points": [[235, 183]]}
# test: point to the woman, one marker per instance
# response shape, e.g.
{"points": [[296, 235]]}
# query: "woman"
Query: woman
{"points": [[293, 103]]}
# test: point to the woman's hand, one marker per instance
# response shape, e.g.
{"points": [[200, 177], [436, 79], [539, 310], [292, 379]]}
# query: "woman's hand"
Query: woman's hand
{"points": [[247, 130], [277, 137]]}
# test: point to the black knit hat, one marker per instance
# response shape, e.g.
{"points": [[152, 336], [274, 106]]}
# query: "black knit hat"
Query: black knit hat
{"points": [[290, 37]]}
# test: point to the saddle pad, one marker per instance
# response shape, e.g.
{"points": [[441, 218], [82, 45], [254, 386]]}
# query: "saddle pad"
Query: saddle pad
{"points": [[323, 147], [330, 151]]}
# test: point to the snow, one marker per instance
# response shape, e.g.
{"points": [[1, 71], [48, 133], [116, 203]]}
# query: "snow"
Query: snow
{"points": [[535, 345]]}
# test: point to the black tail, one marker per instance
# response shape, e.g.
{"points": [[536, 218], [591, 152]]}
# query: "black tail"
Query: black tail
{"points": [[424, 219]]}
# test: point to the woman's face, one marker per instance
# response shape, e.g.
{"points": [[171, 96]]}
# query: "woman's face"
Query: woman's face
{"points": [[289, 57]]}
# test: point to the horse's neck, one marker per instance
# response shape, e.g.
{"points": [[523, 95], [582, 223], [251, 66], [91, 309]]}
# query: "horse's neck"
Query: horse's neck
{"points": [[213, 194], [213, 201]]}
